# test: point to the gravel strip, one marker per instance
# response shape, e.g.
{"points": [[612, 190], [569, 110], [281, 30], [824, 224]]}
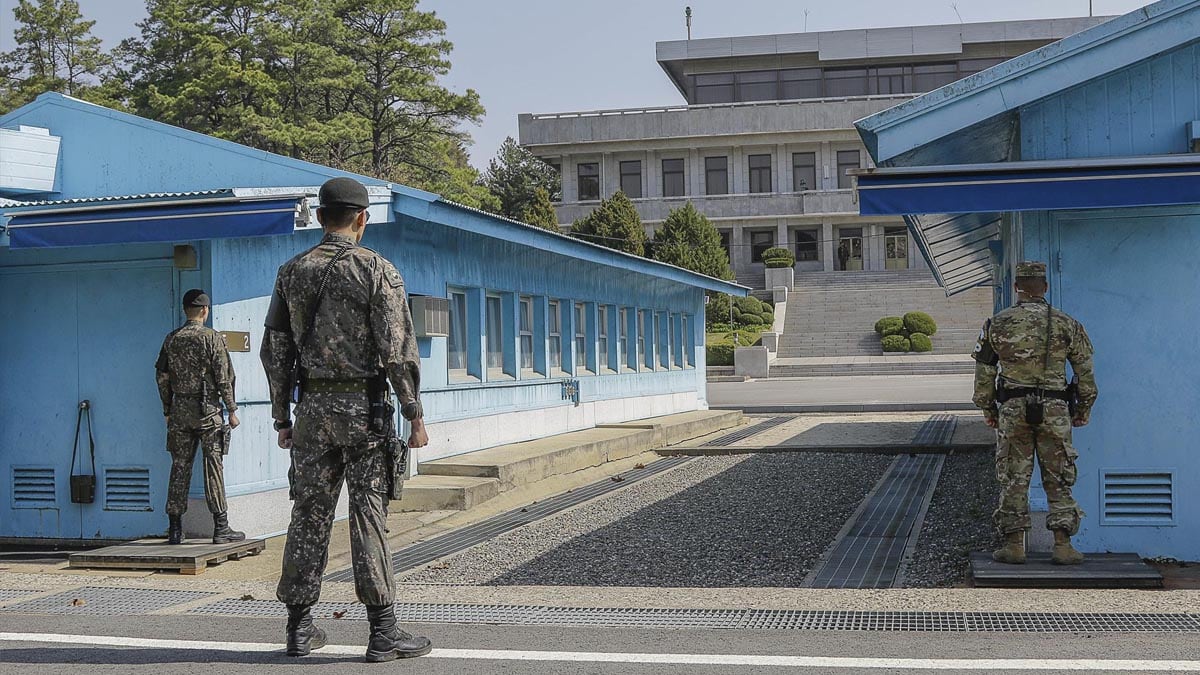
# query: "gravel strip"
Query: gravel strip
{"points": [[754, 520], [958, 522]]}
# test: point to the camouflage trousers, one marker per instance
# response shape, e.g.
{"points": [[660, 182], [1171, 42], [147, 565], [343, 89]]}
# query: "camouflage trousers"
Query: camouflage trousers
{"points": [[330, 444], [1016, 442], [182, 439]]}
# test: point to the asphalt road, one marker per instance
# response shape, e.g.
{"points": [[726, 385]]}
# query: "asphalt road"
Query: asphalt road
{"points": [[543, 650], [889, 389]]}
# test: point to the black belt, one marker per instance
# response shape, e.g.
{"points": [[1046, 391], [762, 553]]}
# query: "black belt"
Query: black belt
{"points": [[315, 385], [1005, 393]]}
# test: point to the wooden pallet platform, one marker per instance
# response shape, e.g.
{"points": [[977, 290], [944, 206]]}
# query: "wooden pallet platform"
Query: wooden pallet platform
{"points": [[191, 557], [1098, 570]]}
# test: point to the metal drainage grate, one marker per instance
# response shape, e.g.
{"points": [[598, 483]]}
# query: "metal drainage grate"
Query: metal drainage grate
{"points": [[937, 430], [97, 600], [13, 593], [746, 432], [477, 533], [740, 619], [869, 551]]}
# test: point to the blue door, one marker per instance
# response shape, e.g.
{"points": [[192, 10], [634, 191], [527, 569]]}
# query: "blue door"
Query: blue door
{"points": [[71, 335]]}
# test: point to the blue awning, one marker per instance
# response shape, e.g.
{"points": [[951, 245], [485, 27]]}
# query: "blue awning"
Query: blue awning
{"points": [[1031, 186], [95, 223]]}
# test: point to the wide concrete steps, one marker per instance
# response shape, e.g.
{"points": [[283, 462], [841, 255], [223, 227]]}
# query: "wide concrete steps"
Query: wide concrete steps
{"points": [[867, 343], [463, 481], [872, 369]]}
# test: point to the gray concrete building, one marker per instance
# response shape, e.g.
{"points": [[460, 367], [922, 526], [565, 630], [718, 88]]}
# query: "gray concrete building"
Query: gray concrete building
{"points": [[764, 136]]}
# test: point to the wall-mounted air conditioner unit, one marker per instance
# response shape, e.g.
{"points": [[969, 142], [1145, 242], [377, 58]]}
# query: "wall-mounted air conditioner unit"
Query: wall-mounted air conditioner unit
{"points": [[431, 316]]}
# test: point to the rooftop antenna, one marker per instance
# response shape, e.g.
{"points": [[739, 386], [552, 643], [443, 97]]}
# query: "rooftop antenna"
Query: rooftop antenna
{"points": [[806, 21], [687, 14], [1090, 8], [954, 6]]}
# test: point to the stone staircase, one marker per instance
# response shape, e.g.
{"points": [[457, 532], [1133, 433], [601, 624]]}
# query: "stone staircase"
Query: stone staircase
{"points": [[834, 313]]}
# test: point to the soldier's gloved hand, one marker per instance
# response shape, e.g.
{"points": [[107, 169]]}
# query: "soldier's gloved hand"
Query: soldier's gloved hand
{"points": [[1079, 421], [990, 420], [234, 422], [285, 438], [418, 437]]}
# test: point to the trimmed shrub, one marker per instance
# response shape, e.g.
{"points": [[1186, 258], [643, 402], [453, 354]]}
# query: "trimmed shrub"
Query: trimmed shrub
{"points": [[749, 304], [719, 354], [720, 327], [895, 343], [717, 309], [737, 315], [920, 342], [920, 322], [748, 319], [778, 257], [768, 317], [889, 325]]}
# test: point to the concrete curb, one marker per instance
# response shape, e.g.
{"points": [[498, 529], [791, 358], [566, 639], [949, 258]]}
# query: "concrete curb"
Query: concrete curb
{"points": [[847, 407], [876, 448]]}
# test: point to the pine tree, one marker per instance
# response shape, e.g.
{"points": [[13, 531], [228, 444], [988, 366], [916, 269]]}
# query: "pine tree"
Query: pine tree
{"points": [[687, 239], [614, 223], [514, 175], [447, 171], [55, 51], [540, 211]]}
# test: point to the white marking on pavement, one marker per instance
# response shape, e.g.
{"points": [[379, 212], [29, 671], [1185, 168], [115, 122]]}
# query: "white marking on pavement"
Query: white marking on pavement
{"points": [[759, 660]]}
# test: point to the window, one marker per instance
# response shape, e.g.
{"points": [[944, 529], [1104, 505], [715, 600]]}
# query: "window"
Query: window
{"points": [[759, 85], [602, 359], [971, 66], [631, 179], [643, 343], [714, 88], [760, 173], [846, 159], [931, 76], [759, 242], [725, 235], [804, 171], [846, 82], [589, 181], [581, 350], [800, 83], [526, 329], [673, 178], [891, 80], [494, 333], [554, 319], [716, 175], [665, 337], [456, 349], [623, 336], [675, 324], [687, 341], [806, 245]]}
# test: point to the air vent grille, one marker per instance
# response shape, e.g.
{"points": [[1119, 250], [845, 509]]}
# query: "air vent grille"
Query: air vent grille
{"points": [[1138, 498], [33, 487], [127, 488]]}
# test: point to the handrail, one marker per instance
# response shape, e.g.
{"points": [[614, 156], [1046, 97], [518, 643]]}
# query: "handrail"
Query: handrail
{"points": [[709, 106]]}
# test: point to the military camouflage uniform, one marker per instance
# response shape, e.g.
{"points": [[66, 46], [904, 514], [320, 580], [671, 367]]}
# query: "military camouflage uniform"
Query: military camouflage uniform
{"points": [[194, 376], [363, 324], [1017, 336]]}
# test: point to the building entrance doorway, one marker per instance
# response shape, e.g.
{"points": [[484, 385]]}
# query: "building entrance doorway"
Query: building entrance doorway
{"points": [[850, 249], [895, 245]]}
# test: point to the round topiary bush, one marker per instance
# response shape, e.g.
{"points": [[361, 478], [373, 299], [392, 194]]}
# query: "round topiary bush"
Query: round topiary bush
{"points": [[718, 355], [895, 343], [768, 317], [778, 257], [749, 304], [920, 322], [920, 342], [717, 310], [889, 325], [747, 319]]}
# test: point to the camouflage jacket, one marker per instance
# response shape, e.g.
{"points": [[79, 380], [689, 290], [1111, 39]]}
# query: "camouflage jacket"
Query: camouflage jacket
{"points": [[194, 361], [1017, 337], [363, 323]]}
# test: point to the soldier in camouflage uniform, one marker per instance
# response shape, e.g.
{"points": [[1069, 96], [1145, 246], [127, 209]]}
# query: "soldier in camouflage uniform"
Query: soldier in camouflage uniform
{"points": [[194, 377], [1020, 360], [339, 312]]}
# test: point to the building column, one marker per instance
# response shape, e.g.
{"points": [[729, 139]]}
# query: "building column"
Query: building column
{"points": [[695, 173], [781, 235], [737, 171], [610, 179], [738, 253], [782, 175], [569, 178], [651, 176], [828, 247]]}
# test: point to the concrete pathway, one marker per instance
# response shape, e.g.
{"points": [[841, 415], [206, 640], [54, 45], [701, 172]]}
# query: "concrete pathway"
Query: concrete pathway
{"points": [[845, 394]]}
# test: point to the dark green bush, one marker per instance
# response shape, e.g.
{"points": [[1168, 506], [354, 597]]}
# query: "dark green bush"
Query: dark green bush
{"points": [[717, 309], [778, 257], [888, 321], [920, 342], [720, 326], [748, 319], [919, 322], [768, 317], [895, 343], [749, 304], [719, 354]]}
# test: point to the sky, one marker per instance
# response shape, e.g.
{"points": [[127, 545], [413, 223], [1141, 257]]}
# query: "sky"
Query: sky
{"points": [[564, 55]]}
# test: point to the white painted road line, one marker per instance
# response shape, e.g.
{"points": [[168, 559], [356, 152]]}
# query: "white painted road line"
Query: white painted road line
{"points": [[752, 660]]}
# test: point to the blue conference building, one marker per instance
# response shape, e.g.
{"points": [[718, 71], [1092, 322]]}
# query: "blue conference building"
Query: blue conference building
{"points": [[108, 218]]}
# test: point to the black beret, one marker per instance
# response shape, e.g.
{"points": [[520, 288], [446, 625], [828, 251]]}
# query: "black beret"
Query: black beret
{"points": [[344, 193], [196, 298]]}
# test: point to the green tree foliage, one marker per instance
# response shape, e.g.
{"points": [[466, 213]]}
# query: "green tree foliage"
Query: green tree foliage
{"points": [[55, 51], [452, 176], [687, 239], [541, 212], [614, 223], [514, 175]]}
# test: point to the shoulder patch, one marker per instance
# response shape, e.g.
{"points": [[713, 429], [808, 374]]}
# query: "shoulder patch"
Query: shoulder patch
{"points": [[393, 277]]}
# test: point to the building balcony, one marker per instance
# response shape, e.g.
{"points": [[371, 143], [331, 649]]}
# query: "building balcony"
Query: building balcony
{"points": [[655, 209], [543, 132]]}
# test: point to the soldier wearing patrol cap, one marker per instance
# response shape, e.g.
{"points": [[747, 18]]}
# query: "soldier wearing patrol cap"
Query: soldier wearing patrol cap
{"points": [[1021, 386], [339, 318], [195, 376]]}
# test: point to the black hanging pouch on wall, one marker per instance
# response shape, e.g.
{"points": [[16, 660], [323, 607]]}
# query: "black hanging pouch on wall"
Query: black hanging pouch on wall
{"points": [[83, 485]]}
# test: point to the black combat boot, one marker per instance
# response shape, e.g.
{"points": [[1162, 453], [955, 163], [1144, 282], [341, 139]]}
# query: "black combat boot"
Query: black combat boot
{"points": [[303, 636], [222, 533], [175, 530], [388, 642]]}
